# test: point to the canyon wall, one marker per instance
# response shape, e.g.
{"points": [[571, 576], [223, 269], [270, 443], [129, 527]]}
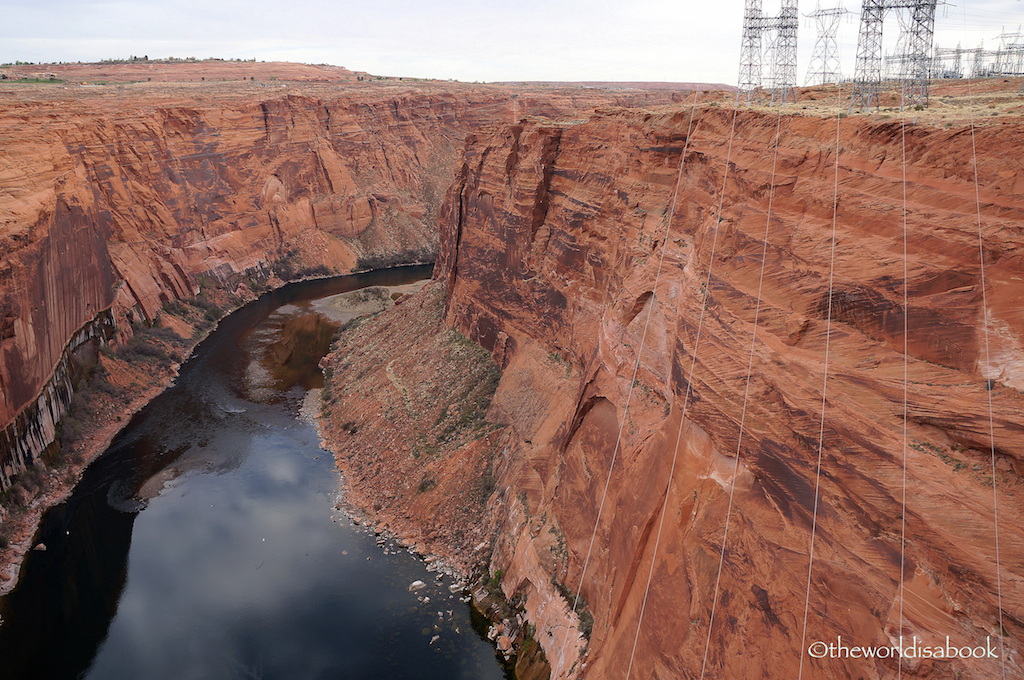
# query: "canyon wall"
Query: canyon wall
{"points": [[681, 490], [118, 200]]}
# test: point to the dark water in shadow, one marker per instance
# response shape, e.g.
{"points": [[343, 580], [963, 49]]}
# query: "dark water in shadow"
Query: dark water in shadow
{"points": [[205, 544]]}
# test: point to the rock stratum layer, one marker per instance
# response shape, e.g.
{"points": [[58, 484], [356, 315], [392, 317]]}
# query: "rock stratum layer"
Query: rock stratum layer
{"points": [[555, 259], [121, 199]]}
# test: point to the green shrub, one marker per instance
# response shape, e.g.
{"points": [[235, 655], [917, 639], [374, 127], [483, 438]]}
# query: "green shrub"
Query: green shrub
{"points": [[409, 256], [69, 430], [139, 350], [160, 332]]}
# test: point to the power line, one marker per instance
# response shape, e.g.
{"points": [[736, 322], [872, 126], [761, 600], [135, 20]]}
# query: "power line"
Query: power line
{"points": [[675, 451], [988, 391], [781, 31], [746, 393], [824, 386], [917, 40], [824, 66]]}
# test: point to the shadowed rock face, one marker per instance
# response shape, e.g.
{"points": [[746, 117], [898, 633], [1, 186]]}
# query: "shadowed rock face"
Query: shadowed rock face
{"points": [[551, 242], [120, 198]]}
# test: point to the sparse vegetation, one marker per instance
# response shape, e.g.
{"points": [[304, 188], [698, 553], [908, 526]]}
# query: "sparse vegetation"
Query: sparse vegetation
{"points": [[289, 269], [977, 471], [581, 608], [410, 256], [557, 358], [467, 407], [486, 485], [494, 580], [34, 81], [559, 550], [146, 344]]}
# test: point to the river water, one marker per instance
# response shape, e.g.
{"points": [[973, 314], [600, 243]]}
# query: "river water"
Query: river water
{"points": [[205, 543]]}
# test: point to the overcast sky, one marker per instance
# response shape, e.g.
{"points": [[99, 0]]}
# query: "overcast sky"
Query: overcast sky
{"points": [[673, 40]]}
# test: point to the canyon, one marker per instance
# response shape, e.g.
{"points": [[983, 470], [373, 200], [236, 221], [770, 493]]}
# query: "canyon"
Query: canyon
{"points": [[631, 458], [653, 442], [118, 200]]}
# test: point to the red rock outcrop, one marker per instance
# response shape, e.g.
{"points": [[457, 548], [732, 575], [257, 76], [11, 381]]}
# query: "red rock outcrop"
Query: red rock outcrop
{"points": [[552, 240], [124, 197]]}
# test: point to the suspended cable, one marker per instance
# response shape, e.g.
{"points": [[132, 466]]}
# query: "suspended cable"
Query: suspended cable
{"points": [[906, 361], [629, 393], [988, 390], [746, 393], [725, 177], [672, 467], [824, 383]]}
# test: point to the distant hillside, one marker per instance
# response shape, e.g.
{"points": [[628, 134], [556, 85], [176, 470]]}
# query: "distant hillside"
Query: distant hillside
{"points": [[176, 71]]}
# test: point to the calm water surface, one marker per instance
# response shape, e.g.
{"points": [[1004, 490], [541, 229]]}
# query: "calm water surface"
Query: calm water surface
{"points": [[205, 542]]}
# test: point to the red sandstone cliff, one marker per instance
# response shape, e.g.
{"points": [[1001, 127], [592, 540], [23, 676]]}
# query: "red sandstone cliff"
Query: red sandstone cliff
{"points": [[551, 239], [120, 197]]}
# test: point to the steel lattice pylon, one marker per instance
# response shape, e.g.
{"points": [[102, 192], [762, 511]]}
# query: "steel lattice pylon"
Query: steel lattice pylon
{"points": [[868, 74], [921, 32], [896, 66], [784, 61], [824, 66], [1010, 55], [781, 52], [949, 62], [915, 57], [750, 49]]}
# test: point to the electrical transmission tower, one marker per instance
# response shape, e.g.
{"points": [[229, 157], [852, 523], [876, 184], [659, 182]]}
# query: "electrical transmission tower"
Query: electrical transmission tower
{"points": [[781, 52], [824, 66], [784, 62], [949, 62], [1010, 53], [979, 56], [750, 49], [896, 66], [915, 57], [919, 53]]}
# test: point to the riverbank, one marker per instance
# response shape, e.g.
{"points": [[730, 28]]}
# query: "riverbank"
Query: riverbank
{"points": [[405, 412], [21, 521], [120, 387], [209, 526], [121, 382]]}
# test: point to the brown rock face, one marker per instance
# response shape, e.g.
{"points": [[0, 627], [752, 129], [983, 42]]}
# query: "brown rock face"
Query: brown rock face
{"points": [[552, 247], [404, 410], [124, 198]]}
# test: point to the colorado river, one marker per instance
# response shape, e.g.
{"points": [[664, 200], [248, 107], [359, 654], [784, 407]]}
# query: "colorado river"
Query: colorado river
{"points": [[206, 543]]}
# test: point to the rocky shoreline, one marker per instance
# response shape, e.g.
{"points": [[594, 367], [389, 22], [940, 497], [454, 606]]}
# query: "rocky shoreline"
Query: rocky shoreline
{"points": [[20, 523], [419, 456], [109, 415], [138, 382]]}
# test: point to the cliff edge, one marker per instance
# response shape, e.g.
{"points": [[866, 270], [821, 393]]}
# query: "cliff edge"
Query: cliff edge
{"points": [[553, 258]]}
